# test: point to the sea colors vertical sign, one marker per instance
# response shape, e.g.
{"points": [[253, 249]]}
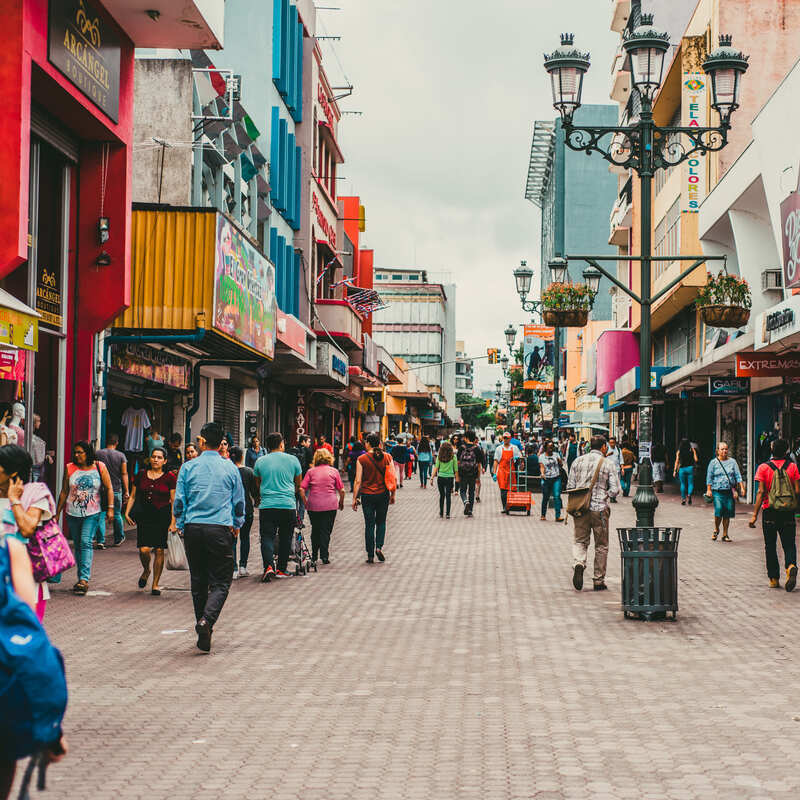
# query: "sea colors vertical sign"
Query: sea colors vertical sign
{"points": [[694, 114], [790, 236], [538, 358]]}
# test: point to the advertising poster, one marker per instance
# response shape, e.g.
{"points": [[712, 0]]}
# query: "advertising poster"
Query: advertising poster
{"points": [[244, 291], [693, 115], [538, 360]]}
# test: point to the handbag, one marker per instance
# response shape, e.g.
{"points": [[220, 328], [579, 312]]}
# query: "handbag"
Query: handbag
{"points": [[176, 552], [579, 500], [731, 485], [48, 548]]}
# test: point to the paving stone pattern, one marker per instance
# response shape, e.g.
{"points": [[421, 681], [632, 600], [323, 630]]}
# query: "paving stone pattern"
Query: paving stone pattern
{"points": [[466, 666]]}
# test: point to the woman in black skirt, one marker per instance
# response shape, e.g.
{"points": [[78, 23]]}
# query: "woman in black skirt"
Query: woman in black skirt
{"points": [[155, 492]]}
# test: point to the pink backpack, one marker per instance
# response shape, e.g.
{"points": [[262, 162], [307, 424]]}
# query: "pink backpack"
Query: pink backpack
{"points": [[48, 548]]}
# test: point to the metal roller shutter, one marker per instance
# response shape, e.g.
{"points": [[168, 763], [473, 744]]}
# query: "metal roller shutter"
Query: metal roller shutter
{"points": [[227, 404]]}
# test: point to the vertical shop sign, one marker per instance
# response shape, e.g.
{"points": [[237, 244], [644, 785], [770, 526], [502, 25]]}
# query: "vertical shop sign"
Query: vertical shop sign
{"points": [[86, 49], [693, 115], [790, 237], [48, 296], [300, 423], [244, 291]]}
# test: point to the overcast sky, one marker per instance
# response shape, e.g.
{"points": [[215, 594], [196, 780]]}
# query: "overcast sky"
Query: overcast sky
{"points": [[449, 91]]}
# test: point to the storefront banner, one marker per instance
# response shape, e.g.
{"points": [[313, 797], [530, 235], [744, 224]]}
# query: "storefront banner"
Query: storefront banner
{"points": [[244, 291], [752, 365], [694, 92], [728, 387], [12, 365], [300, 425], [291, 333], [630, 382], [86, 49], [18, 329], [156, 366], [538, 357], [790, 235], [519, 404], [777, 322]]}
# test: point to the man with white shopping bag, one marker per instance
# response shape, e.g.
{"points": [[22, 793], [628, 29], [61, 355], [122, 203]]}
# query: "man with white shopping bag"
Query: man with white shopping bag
{"points": [[593, 479], [209, 509]]}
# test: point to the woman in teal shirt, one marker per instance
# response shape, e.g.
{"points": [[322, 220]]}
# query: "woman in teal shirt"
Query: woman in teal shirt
{"points": [[723, 481], [446, 468]]}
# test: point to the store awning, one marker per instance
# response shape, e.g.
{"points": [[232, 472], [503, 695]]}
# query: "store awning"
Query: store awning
{"points": [[19, 323]]}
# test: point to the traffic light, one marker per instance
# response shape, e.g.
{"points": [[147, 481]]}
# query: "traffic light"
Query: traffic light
{"points": [[492, 353], [488, 403]]}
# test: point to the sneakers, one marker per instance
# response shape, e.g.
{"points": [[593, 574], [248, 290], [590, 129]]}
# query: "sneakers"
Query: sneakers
{"points": [[279, 573], [235, 573], [381, 556], [600, 587], [269, 574], [203, 630], [791, 577], [774, 583], [370, 559], [243, 573], [477, 499], [577, 576]]}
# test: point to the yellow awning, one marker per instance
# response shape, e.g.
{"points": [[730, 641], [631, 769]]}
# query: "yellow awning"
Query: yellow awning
{"points": [[19, 324]]}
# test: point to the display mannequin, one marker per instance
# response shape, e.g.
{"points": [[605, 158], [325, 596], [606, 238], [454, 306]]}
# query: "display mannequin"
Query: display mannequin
{"points": [[17, 418], [7, 434], [38, 451]]}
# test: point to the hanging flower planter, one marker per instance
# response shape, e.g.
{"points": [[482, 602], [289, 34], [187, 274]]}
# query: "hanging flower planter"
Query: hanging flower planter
{"points": [[575, 318], [566, 305], [719, 316], [724, 302]]}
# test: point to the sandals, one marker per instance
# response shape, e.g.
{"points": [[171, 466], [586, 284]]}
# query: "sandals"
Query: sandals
{"points": [[726, 538], [81, 587], [714, 536]]}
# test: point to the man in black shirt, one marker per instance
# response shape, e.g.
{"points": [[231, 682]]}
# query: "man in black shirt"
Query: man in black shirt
{"points": [[399, 455], [174, 455], [470, 466], [251, 496]]}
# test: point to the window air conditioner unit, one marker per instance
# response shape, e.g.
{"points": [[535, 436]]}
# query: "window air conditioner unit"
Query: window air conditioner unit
{"points": [[771, 279]]}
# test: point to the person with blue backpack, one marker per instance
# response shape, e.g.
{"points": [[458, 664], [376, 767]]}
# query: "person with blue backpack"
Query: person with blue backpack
{"points": [[33, 687]]}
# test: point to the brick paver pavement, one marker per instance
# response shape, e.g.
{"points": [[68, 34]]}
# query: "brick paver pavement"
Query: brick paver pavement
{"points": [[466, 666]]}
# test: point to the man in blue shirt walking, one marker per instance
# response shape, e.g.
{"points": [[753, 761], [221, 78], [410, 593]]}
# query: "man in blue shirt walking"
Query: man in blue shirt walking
{"points": [[209, 509]]}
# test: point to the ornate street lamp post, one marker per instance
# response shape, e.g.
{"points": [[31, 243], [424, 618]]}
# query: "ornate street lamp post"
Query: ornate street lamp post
{"points": [[644, 147]]}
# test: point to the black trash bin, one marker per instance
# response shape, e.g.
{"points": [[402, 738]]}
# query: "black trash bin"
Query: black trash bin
{"points": [[649, 571]]}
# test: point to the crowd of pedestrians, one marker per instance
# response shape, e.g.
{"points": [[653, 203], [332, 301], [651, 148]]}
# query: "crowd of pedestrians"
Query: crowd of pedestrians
{"points": [[207, 496]]}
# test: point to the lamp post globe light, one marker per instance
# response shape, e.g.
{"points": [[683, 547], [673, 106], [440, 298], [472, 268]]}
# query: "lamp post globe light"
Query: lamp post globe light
{"points": [[645, 148], [511, 336], [523, 277], [504, 364]]}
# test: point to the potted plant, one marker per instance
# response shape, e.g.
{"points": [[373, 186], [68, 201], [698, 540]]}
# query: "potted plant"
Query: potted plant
{"points": [[725, 301], [566, 305]]}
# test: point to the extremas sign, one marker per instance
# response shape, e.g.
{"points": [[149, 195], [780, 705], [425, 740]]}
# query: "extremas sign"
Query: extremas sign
{"points": [[752, 365]]}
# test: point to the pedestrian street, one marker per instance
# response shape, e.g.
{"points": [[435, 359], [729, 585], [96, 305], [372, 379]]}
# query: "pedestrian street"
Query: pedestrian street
{"points": [[464, 666]]}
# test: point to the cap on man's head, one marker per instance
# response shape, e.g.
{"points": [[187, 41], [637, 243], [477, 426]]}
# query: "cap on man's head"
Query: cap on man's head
{"points": [[506, 435]]}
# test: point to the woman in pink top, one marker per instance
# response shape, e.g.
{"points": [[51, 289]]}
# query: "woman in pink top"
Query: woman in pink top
{"points": [[322, 492]]}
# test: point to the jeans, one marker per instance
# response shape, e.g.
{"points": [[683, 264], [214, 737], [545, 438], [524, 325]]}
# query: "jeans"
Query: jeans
{"points": [[375, 507], [551, 490], [773, 525], [270, 522], [82, 531], [119, 527], [504, 498], [466, 488], [209, 552], [424, 472], [321, 529], [445, 491], [351, 475], [686, 478], [301, 511], [625, 481], [244, 543]]}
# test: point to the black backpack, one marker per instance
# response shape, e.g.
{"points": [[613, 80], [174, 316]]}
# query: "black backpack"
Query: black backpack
{"points": [[468, 464]]}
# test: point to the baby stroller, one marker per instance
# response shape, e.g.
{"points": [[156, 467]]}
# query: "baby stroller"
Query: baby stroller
{"points": [[299, 554]]}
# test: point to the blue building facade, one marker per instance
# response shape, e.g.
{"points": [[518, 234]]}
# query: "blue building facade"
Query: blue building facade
{"points": [[265, 46], [574, 193]]}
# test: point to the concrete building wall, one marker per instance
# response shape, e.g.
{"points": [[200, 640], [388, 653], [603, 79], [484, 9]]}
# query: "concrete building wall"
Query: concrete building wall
{"points": [[162, 109]]}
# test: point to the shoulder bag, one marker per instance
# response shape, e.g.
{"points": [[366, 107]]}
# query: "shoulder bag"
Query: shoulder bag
{"points": [[731, 484], [579, 500]]}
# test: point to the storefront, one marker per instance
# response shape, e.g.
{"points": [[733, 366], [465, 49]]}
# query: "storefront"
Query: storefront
{"points": [[220, 277], [67, 132]]}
